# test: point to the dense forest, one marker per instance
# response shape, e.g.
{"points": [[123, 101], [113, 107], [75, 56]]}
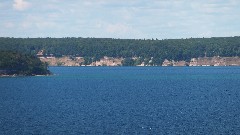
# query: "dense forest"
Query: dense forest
{"points": [[153, 50], [21, 64]]}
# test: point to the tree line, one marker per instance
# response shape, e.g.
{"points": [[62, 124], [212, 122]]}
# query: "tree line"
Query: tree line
{"points": [[151, 51], [21, 64]]}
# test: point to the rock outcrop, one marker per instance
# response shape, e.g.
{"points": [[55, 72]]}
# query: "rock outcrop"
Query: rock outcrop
{"points": [[110, 61], [63, 61], [215, 61], [174, 63]]}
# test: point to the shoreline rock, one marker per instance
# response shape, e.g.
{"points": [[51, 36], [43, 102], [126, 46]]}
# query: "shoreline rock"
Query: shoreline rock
{"points": [[111, 61]]}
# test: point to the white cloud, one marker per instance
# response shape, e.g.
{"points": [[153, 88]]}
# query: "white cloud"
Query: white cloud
{"points": [[21, 5], [117, 28], [121, 30], [40, 23], [25, 25], [121, 19], [9, 25]]}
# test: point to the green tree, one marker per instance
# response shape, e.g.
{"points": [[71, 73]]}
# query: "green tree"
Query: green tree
{"points": [[22, 64], [128, 62]]}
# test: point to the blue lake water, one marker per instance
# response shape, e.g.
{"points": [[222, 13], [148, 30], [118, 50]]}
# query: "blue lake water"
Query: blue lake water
{"points": [[123, 100]]}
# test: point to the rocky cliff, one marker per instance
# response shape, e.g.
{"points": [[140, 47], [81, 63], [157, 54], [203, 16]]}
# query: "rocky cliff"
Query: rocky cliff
{"points": [[110, 61]]}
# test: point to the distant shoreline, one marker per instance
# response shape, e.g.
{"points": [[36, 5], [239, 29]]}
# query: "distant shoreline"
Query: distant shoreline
{"points": [[112, 61], [15, 75], [6, 73]]}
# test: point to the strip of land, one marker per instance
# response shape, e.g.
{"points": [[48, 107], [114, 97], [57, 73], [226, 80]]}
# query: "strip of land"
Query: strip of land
{"points": [[111, 61]]}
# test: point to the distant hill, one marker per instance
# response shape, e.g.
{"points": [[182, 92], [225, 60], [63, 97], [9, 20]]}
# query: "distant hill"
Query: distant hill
{"points": [[13, 63], [149, 51]]}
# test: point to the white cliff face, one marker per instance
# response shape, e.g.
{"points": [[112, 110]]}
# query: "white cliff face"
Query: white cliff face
{"points": [[167, 63], [77, 61], [63, 61], [205, 61], [110, 61], [215, 61], [174, 63], [193, 62]]}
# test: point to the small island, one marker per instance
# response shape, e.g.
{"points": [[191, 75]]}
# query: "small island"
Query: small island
{"points": [[18, 64]]}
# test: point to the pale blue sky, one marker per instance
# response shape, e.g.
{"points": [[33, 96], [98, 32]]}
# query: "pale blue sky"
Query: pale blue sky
{"points": [[120, 18]]}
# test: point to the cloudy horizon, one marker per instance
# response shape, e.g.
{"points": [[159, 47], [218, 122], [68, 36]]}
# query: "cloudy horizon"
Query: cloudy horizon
{"points": [[120, 19]]}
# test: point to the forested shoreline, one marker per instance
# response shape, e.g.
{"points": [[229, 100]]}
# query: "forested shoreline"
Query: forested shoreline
{"points": [[14, 63], [153, 50]]}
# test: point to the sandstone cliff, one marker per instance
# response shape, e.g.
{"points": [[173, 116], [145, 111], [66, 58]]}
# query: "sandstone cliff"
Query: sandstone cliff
{"points": [[110, 61]]}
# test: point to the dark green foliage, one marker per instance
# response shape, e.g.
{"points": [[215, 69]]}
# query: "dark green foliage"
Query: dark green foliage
{"points": [[157, 50], [138, 61], [128, 62], [87, 60], [21, 64]]}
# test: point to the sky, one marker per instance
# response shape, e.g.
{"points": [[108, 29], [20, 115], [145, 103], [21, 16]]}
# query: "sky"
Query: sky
{"points": [[125, 19]]}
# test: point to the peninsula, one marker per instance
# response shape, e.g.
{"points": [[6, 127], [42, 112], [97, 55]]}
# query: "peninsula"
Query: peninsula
{"points": [[18, 64]]}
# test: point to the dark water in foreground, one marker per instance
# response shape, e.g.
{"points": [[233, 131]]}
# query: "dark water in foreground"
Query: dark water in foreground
{"points": [[123, 100]]}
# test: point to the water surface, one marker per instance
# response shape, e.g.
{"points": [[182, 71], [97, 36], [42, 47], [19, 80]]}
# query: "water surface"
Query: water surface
{"points": [[123, 100]]}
